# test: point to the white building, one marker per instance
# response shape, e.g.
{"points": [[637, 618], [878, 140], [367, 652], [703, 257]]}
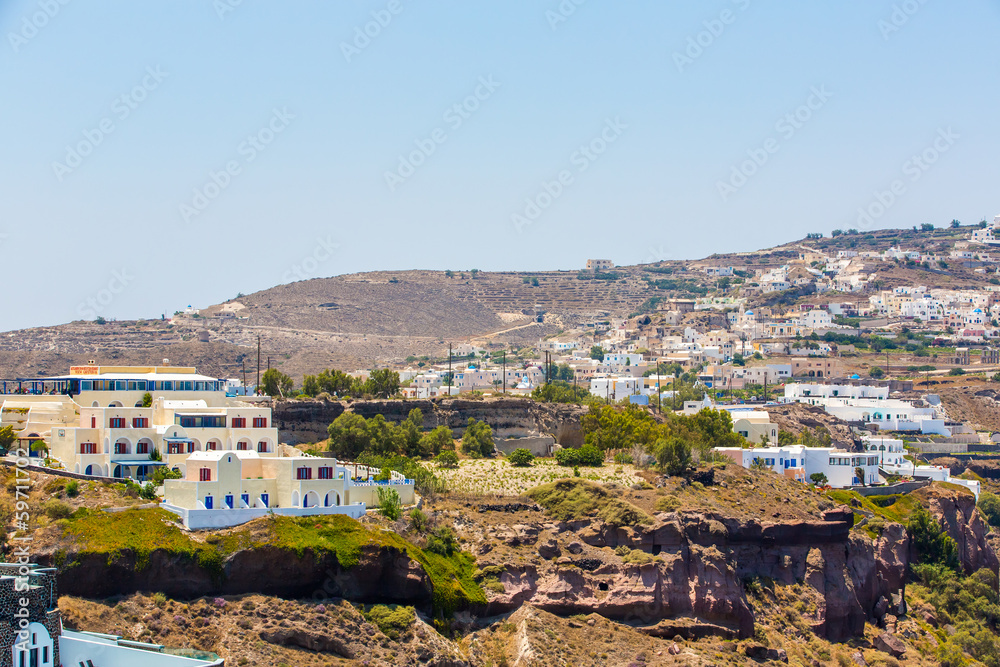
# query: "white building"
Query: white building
{"points": [[808, 393], [95, 423], [891, 453], [800, 462], [227, 488], [615, 387], [816, 319]]}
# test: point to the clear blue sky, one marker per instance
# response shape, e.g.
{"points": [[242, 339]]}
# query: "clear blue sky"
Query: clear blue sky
{"points": [[111, 225]]}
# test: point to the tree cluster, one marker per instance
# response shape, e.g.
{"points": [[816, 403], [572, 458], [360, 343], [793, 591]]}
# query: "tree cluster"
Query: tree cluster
{"points": [[351, 435]]}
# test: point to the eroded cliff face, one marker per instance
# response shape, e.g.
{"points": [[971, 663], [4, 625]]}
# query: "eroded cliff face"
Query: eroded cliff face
{"points": [[695, 582], [307, 421], [382, 574], [956, 510]]}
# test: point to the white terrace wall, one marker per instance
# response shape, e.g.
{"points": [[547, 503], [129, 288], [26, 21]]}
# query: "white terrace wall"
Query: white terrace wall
{"points": [[225, 518]]}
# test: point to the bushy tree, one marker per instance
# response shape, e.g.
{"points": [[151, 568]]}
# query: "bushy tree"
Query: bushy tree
{"points": [[932, 544], [818, 478], [989, 507], [521, 457], [7, 438], [434, 442], [597, 352], [478, 439], [349, 436], [876, 372], [673, 455], [382, 383], [389, 504], [275, 383], [147, 400], [447, 459]]}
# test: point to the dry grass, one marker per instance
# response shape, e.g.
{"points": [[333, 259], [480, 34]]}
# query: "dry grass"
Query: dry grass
{"points": [[498, 477]]}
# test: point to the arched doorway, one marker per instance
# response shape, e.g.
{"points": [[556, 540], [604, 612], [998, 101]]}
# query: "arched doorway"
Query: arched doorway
{"points": [[311, 499], [35, 649], [332, 499]]}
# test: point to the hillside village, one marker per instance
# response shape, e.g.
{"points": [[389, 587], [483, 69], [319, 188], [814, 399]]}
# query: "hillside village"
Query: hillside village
{"points": [[792, 462]]}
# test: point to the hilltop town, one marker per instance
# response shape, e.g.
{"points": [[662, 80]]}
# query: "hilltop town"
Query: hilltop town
{"points": [[785, 456]]}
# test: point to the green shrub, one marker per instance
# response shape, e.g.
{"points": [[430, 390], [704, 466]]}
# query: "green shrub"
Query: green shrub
{"points": [[56, 509], [447, 459], [989, 507], [623, 458], [73, 488], [933, 545], [389, 504], [669, 503], [418, 520], [442, 542], [392, 620], [571, 499], [587, 455], [521, 457]]}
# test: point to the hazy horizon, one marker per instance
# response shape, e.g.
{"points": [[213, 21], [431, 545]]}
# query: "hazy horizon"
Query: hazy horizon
{"points": [[179, 153]]}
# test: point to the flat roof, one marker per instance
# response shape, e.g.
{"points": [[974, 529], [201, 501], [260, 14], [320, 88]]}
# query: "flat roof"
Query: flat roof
{"points": [[133, 376]]}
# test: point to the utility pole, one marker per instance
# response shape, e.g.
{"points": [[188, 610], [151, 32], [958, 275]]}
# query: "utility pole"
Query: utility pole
{"points": [[505, 371], [673, 392], [243, 363], [659, 408], [449, 369], [256, 389], [886, 363]]}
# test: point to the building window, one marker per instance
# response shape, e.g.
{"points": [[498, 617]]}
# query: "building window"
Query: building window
{"points": [[88, 447], [205, 475], [260, 422], [140, 422], [239, 422], [121, 448], [326, 472], [142, 448], [262, 446], [116, 422], [212, 445], [303, 473], [242, 445]]}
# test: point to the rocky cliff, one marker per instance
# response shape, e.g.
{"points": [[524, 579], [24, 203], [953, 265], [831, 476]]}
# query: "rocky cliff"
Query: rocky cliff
{"points": [[307, 420], [689, 575]]}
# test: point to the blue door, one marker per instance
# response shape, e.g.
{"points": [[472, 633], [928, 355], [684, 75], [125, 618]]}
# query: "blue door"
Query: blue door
{"points": [[246, 499], [208, 502], [263, 499], [229, 501]]}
